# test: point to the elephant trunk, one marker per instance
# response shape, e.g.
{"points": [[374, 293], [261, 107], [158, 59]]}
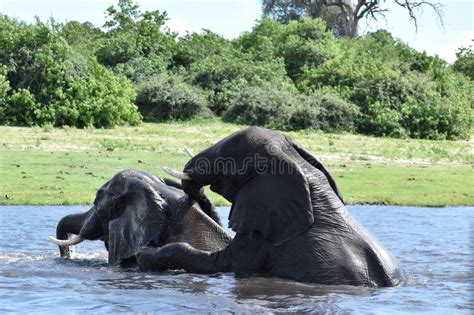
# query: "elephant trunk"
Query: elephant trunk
{"points": [[85, 225], [70, 224]]}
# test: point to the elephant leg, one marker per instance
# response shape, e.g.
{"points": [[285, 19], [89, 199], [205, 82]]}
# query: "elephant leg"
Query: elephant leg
{"points": [[245, 254], [183, 256]]}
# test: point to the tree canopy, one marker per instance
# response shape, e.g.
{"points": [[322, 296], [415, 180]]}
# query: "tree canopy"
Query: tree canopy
{"points": [[343, 16], [293, 75], [465, 61]]}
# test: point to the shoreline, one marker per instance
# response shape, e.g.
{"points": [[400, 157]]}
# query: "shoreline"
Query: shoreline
{"points": [[229, 205], [65, 166]]}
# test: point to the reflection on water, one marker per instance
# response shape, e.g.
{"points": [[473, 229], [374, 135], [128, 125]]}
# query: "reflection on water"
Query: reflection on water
{"points": [[433, 245]]}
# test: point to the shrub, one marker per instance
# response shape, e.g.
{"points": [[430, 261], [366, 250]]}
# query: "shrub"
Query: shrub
{"points": [[194, 47], [264, 105], [117, 49], [222, 69], [436, 118], [22, 109], [288, 76], [53, 84], [335, 114], [221, 99], [223, 75], [387, 80], [284, 108], [305, 116], [141, 68], [4, 88], [132, 34], [382, 121], [465, 61], [83, 37], [300, 44], [324, 111], [169, 97]]}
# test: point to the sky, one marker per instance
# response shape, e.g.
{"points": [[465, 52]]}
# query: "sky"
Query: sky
{"points": [[230, 18]]}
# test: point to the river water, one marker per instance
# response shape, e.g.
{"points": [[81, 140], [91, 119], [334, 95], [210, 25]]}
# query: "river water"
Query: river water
{"points": [[434, 245]]}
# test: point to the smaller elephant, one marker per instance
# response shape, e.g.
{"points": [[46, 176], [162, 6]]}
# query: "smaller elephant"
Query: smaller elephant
{"points": [[289, 217], [136, 209]]}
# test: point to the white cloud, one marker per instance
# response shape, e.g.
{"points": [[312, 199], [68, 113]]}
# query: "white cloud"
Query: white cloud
{"points": [[448, 51], [178, 26]]}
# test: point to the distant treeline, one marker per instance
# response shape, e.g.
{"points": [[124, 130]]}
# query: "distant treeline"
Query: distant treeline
{"points": [[292, 76]]}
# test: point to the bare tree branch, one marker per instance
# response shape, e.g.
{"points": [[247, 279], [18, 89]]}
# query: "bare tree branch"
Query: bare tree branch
{"points": [[350, 11], [415, 6]]}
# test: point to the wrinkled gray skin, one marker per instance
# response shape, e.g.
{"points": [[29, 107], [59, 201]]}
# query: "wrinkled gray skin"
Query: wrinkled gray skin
{"points": [[136, 209], [290, 221]]}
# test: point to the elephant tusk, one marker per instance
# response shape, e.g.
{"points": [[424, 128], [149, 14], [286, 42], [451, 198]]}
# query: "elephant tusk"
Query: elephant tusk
{"points": [[73, 241], [189, 152], [176, 174]]}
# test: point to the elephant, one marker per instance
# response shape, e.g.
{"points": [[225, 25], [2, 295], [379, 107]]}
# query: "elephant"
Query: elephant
{"points": [[134, 209], [288, 214]]}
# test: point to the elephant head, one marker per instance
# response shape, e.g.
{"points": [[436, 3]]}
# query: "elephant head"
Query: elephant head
{"points": [[274, 185], [136, 209]]}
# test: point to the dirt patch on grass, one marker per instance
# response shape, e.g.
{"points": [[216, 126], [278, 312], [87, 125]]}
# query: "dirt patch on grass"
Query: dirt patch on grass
{"points": [[53, 147], [327, 157]]}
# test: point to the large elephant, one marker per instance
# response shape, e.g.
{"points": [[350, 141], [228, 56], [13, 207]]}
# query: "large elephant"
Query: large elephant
{"points": [[136, 209], [289, 217]]}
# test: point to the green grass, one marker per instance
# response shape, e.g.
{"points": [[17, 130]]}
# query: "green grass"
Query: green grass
{"points": [[66, 166]]}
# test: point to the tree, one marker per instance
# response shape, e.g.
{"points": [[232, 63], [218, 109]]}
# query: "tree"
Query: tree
{"points": [[124, 16], [465, 61], [81, 36], [349, 14], [132, 36], [285, 11], [43, 80]]}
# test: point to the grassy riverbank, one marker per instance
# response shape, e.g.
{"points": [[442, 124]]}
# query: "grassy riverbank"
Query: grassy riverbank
{"points": [[66, 166]]}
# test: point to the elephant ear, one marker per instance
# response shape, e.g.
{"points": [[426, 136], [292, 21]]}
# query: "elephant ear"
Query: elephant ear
{"points": [[278, 206], [311, 159], [137, 219]]}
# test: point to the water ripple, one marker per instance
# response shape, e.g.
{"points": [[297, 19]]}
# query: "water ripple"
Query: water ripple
{"points": [[434, 246]]}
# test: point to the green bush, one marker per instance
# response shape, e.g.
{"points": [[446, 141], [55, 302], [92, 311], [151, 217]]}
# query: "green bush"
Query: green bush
{"points": [[382, 121], [195, 47], [287, 76], [385, 79], [324, 111], [284, 108], [132, 34], [22, 108], [305, 116], [264, 105], [4, 88], [436, 118], [117, 49], [53, 84], [335, 114], [141, 68], [223, 75], [83, 37], [300, 44], [222, 69], [165, 97], [465, 61]]}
